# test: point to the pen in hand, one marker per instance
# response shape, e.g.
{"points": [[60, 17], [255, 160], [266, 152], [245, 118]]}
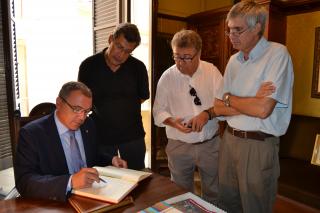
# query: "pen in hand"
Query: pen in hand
{"points": [[102, 180]]}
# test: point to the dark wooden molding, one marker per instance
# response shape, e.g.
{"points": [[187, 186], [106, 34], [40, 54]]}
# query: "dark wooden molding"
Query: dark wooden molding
{"points": [[278, 21], [128, 10], [293, 3], [171, 17], [154, 25], [292, 7], [315, 93]]}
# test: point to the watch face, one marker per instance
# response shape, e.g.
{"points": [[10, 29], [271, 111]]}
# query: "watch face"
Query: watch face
{"points": [[226, 100]]}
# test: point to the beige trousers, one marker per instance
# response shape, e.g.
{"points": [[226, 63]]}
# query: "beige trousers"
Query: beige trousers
{"points": [[184, 157], [248, 173]]}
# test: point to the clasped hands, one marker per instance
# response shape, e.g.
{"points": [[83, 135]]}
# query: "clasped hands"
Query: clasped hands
{"points": [[195, 124], [86, 176]]}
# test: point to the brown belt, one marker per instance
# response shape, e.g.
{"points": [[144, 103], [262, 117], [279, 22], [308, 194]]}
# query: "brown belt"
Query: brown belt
{"points": [[256, 135]]}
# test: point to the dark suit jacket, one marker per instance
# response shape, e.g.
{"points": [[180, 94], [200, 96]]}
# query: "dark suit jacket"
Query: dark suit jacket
{"points": [[41, 169]]}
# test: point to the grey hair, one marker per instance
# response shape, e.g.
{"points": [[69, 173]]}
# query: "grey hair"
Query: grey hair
{"points": [[71, 86], [252, 12], [187, 38]]}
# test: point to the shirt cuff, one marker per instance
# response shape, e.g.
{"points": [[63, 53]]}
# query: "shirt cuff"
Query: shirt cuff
{"points": [[69, 188], [160, 118]]}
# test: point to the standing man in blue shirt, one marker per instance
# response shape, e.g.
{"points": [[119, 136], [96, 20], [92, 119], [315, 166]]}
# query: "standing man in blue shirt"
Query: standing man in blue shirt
{"points": [[257, 102]]}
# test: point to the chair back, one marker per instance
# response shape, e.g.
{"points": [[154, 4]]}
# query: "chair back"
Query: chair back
{"points": [[38, 111], [42, 109]]}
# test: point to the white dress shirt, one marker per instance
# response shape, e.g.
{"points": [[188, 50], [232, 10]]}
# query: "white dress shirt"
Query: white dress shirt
{"points": [[174, 100]]}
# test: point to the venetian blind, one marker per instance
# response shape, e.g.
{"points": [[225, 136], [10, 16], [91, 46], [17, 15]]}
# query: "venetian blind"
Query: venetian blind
{"points": [[5, 140], [106, 16]]}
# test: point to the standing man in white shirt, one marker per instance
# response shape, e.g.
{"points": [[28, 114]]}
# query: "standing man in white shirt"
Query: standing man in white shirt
{"points": [[184, 105], [257, 102]]}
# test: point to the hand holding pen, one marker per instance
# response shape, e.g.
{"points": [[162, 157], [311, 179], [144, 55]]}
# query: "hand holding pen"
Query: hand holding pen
{"points": [[84, 178], [102, 180]]}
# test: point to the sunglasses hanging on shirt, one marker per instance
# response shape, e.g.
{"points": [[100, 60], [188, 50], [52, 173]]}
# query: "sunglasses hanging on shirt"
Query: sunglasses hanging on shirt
{"points": [[196, 99]]}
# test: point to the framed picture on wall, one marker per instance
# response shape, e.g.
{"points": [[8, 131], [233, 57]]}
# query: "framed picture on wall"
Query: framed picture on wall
{"points": [[316, 152]]}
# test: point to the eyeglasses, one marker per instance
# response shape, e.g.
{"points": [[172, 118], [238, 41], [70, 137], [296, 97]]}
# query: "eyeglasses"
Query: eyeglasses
{"points": [[196, 99], [77, 109], [236, 33], [184, 59], [122, 49]]}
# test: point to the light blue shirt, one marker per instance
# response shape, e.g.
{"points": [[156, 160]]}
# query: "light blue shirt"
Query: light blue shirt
{"points": [[63, 132], [268, 61]]}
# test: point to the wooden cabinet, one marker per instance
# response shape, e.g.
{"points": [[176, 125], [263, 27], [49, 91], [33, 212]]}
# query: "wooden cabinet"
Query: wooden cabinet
{"points": [[211, 26]]}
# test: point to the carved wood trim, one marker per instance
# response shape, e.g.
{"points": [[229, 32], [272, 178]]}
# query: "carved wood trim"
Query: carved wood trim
{"points": [[171, 17], [297, 6]]}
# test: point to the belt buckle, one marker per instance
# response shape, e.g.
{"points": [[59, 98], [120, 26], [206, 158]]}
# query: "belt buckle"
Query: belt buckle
{"points": [[244, 133]]}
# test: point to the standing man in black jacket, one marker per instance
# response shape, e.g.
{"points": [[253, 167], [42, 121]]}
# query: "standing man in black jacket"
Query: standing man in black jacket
{"points": [[119, 83]]}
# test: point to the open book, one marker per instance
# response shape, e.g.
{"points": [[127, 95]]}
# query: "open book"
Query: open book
{"points": [[122, 173], [118, 183], [187, 202]]}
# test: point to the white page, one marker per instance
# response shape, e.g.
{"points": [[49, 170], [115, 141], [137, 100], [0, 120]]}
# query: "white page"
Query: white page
{"points": [[122, 173], [114, 190]]}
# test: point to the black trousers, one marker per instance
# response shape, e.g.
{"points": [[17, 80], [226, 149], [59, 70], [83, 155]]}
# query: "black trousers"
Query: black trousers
{"points": [[133, 152]]}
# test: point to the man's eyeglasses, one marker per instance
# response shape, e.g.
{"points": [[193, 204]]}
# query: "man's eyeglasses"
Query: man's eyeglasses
{"points": [[235, 32], [122, 49], [184, 59], [196, 99], [77, 109]]}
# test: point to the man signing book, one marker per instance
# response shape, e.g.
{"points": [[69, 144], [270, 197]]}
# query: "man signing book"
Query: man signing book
{"points": [[55, 153]]}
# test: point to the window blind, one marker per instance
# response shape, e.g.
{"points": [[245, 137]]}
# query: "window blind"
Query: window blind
{"points": [[7, 62], [106, 16]]}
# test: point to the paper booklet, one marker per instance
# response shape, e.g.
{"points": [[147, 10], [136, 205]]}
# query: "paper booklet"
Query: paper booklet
{"points": [[184, 203], [88, 205], [119, 182]]}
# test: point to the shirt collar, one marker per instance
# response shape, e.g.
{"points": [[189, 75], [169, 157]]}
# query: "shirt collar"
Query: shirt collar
{"points": [[256, 52], [62, 129]]}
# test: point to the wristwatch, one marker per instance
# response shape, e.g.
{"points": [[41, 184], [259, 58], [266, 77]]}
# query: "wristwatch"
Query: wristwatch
{"points": [[208, 112], [226, 99]]}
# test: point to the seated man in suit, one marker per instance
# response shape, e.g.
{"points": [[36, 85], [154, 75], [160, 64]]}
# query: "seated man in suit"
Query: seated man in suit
{"points": [[55, 153]]}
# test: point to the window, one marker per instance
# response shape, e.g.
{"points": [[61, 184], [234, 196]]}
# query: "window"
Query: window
{"points": [[53, 38]]}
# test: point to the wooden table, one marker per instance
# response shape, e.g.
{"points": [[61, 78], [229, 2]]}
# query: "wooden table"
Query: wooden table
{"points": [[147, 193]]}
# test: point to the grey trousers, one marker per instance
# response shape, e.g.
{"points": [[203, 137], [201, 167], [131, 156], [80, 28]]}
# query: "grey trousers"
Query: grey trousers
{"points": [[184, 157], [248, 173]]}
